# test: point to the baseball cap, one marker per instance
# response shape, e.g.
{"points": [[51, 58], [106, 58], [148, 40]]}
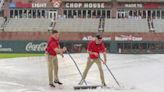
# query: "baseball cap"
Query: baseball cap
{"points": [[99, 36], [54, 31]]}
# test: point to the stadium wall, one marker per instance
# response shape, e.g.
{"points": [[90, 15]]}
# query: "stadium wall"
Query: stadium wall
{"points": [[113, 36], [121, 47], [126, 43]]}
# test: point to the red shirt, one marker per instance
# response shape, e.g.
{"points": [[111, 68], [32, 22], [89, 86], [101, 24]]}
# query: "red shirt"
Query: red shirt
{"points": [[52, 44], [93, 47]]}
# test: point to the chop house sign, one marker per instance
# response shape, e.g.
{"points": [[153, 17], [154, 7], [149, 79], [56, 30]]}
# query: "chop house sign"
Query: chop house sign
{"points": [[84, 5]]}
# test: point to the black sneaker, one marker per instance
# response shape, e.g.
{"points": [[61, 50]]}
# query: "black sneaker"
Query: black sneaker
{"points": [[52, 85], [104, 85], [58, 82]]}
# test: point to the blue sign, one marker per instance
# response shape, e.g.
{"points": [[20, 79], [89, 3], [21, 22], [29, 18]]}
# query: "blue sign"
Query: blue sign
{"points": [[22, 46], [12, 5]]}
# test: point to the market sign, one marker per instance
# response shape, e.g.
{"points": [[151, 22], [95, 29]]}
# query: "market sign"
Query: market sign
{"points": [[23, 5], [27, 5], [85, 5], [137, 5]]}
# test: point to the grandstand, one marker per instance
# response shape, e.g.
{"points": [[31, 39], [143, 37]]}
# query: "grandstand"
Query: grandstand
{"points": [[1, 23], [77, 25], [42, 25], [126, 25], [159, 25], [85, 15], [30, 25], [1, 20], [82, 25]]}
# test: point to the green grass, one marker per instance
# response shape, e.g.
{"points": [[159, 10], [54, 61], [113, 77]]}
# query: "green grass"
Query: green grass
{"points": [[14, 55]]}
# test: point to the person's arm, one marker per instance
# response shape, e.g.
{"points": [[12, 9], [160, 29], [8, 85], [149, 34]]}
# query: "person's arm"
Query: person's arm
{"points": [[104, 55], [90, 52], [60, 51]]}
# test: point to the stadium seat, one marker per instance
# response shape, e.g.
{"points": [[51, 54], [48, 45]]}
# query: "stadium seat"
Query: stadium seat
{"points": [[25, 24], [159, 25], [77, 25], [126, 25]]}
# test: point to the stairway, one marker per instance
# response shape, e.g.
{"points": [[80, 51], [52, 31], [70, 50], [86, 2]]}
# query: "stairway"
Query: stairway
{"points": [[101, 25], [150, 25]]}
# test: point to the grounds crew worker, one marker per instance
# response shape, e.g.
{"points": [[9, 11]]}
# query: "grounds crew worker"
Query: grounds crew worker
{"points": [[94, 48], [52, 49]]}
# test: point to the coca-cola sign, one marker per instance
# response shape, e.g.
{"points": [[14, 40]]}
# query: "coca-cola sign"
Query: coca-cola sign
{"points": [[36, 47]]}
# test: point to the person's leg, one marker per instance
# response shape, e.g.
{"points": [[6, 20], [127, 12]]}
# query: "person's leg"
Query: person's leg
{"points": [[51, 25], [50, 70], [55, 64], [98, 62], [88, 66], [56, 78]]}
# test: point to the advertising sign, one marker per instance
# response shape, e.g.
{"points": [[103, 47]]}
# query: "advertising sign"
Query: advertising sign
{"points": [[22, 46]]}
